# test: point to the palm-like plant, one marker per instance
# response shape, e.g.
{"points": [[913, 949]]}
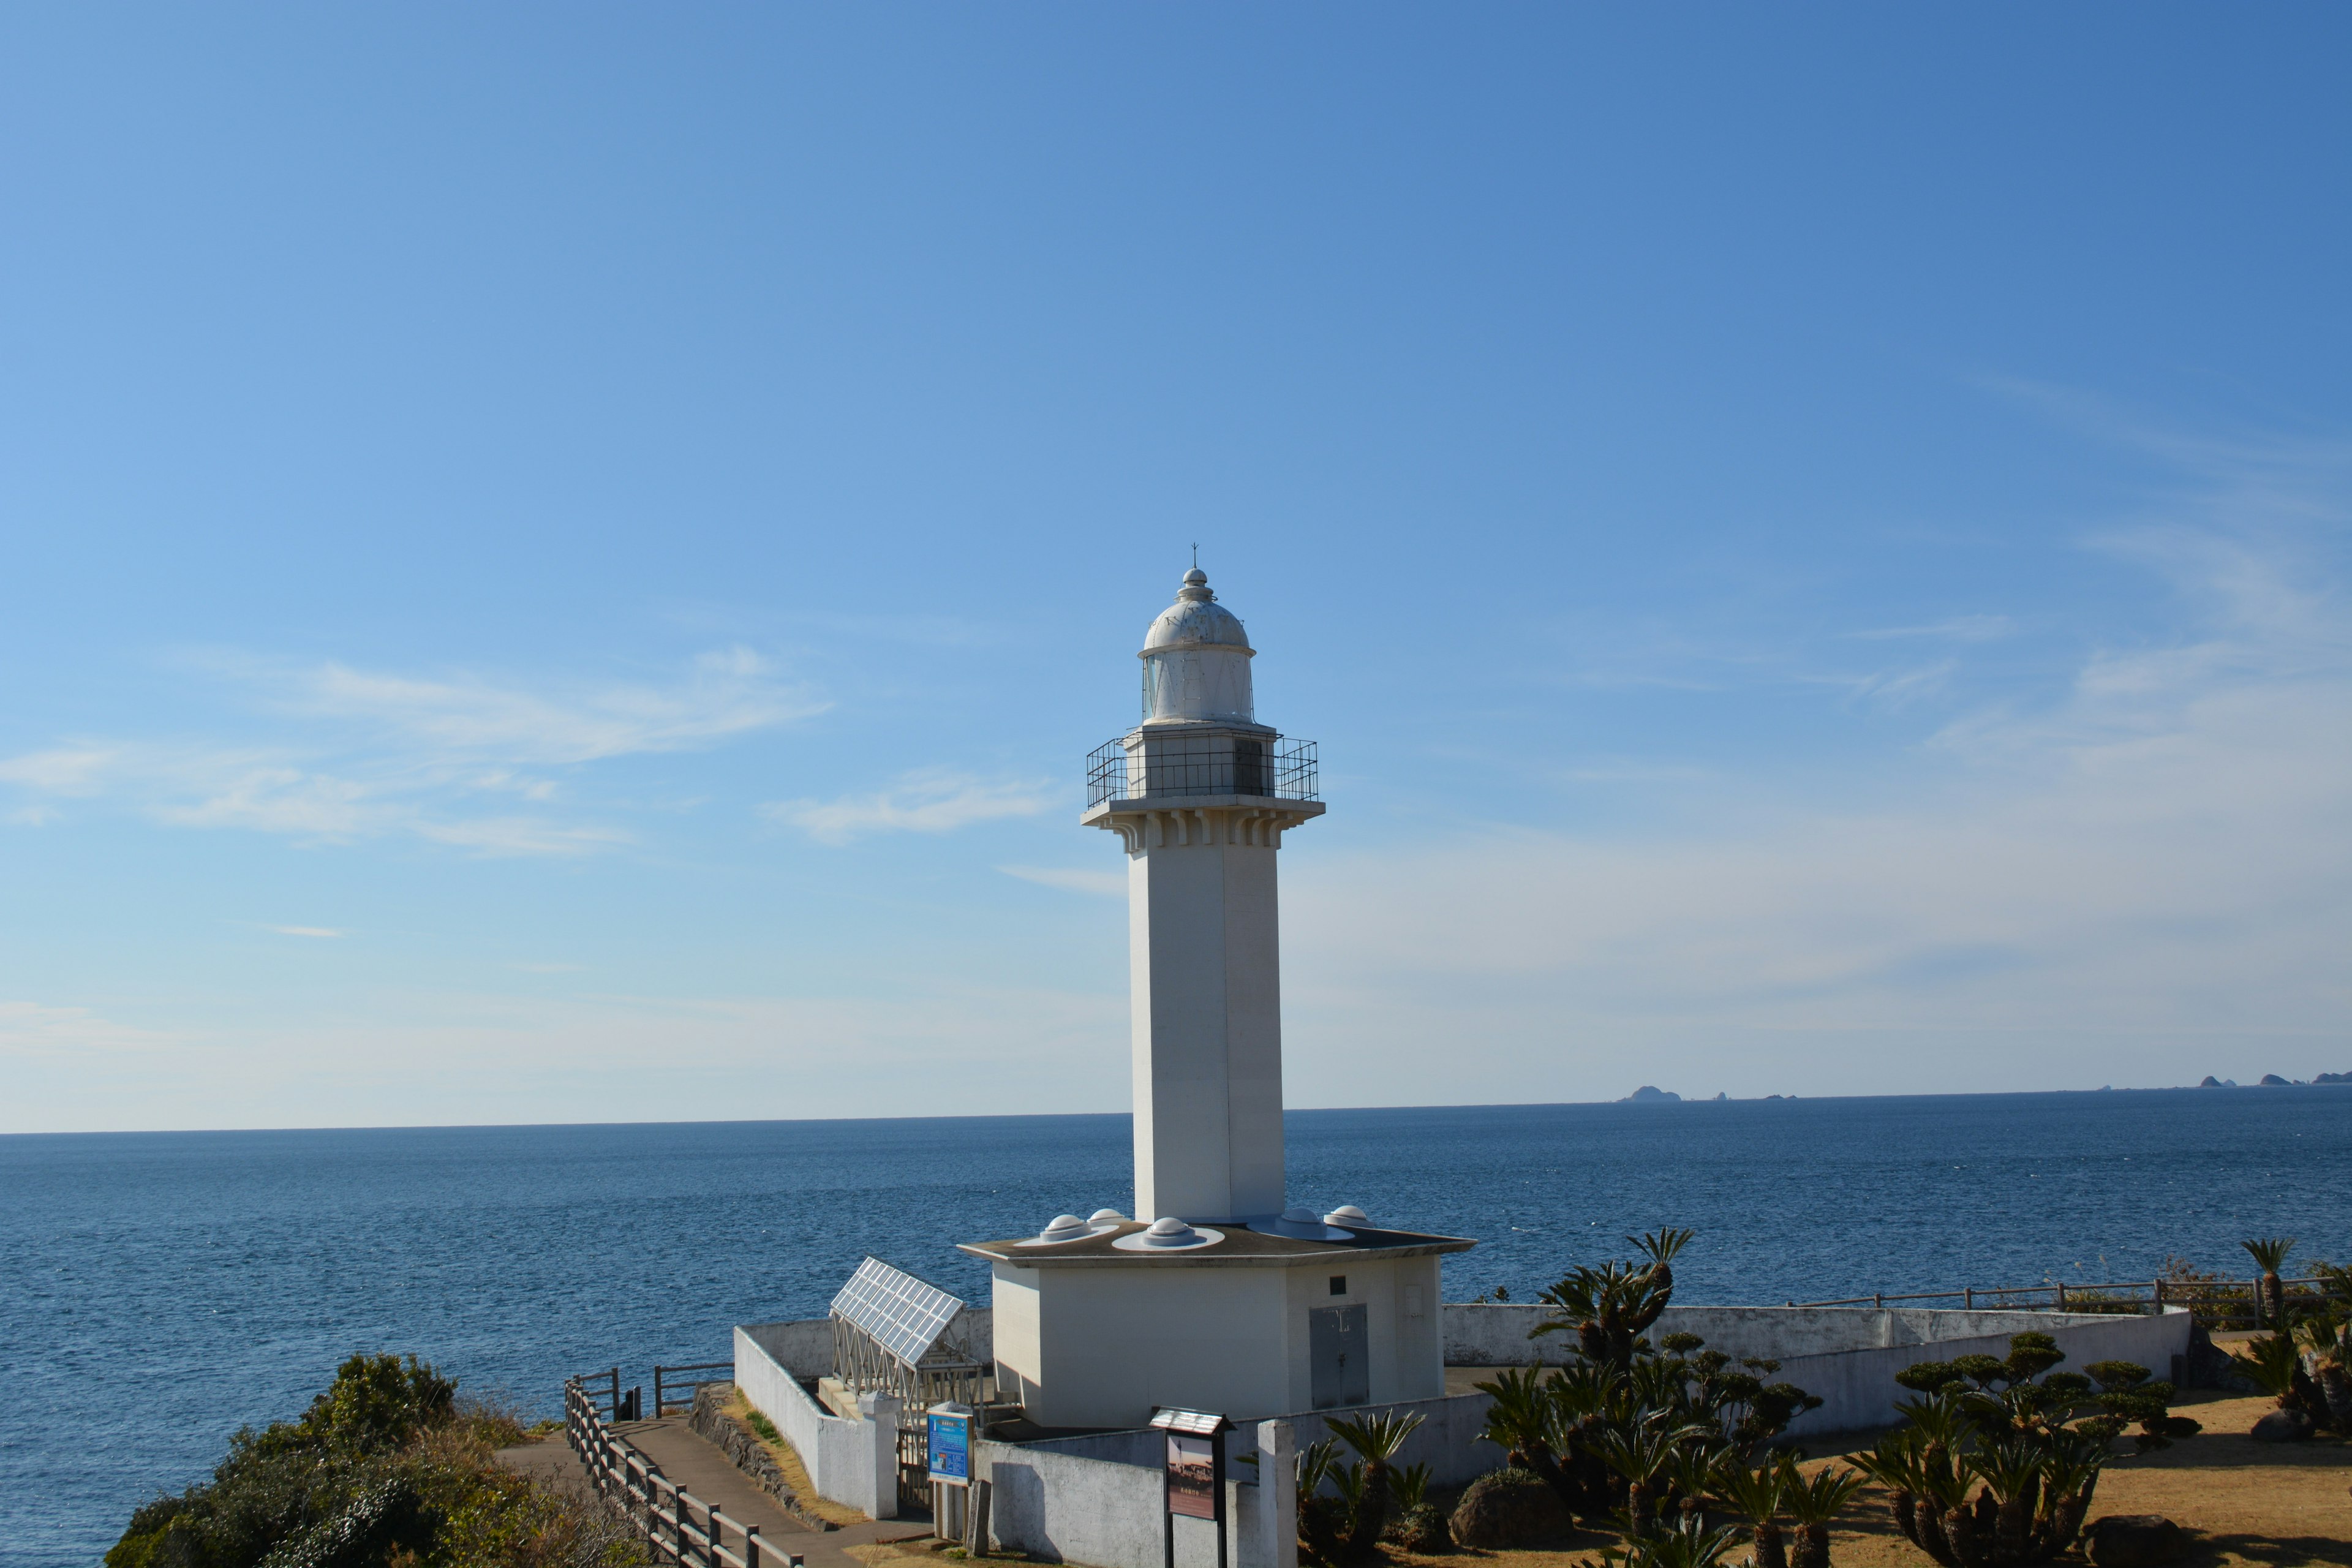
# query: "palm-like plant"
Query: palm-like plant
{"points": [[1813, 1502], [1684, 1546], [1690, 1472], [2272, 1363], [1641, 1453], [1755, 1496], [2270, 1255], [1524, 1421], [2329, 1339], [1376, 1439], [1608, 1307]]}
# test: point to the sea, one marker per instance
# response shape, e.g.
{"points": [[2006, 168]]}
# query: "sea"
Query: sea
{"points": [[160, 1291]]}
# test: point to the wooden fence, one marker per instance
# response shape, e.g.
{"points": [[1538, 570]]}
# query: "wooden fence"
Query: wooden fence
{"points": [[665, 1396], [2218, 1304], [681, 1528]]}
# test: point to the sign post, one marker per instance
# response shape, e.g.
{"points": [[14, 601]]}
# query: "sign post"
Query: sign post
{"points": [[1193, 1481], [949, 1450]]}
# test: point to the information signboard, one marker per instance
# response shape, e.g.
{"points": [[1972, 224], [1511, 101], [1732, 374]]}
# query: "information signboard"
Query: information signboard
{"points": [[1193, 1476], [951, 1444]]}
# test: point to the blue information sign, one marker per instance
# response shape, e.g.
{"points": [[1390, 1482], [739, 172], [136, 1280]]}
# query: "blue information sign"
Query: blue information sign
{"points": [[951, 1444]]}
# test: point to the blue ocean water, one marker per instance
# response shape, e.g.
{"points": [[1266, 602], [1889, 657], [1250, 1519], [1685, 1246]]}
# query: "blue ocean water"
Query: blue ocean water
{"points": [[157, 1291]]}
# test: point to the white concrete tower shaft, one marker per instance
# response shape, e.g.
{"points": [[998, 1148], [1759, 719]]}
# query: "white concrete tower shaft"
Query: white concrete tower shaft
{"points": [[1200, 795]]}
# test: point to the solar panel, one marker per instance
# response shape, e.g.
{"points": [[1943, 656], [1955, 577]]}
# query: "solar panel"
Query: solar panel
{"points": [[899, 1312]]}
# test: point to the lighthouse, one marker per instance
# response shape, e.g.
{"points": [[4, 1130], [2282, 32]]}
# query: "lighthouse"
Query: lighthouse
{"points": [[1222, 1290], [1200, 795]]}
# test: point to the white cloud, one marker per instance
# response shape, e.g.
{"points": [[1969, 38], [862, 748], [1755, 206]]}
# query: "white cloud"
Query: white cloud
{"points": [[729, 692], [63, 770], [930, 802], [1957, 629], [1072, 879], [376, 753], [323, 932], [2149, 878], [32, 1032]]}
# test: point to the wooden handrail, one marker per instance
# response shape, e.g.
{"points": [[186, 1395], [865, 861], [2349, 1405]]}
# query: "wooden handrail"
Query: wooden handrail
{"points": [[655, 1505]]}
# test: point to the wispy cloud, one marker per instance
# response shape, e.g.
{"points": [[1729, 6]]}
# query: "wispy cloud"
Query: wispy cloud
{"points": [[360, 754], [729, 692], [329, 933], [1072, 879], [1957, 629], [2143, 877], [928, 802]]}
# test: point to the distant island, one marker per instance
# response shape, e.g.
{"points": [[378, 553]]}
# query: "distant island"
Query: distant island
{"points": [[1651, 1094], [2272, 1081]]}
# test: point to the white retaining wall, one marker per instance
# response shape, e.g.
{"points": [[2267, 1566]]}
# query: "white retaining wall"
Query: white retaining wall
{"points": [[1846, 1355], [852, 1462], [1065, 1507]]}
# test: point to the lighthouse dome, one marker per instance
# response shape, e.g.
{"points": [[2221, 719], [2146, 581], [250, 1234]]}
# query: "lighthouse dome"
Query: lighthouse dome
{"points": [[1196, 619], [1196, 661]]}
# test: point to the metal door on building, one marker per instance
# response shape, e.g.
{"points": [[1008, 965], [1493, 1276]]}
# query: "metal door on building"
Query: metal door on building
{"points": [[1338, 1355]]}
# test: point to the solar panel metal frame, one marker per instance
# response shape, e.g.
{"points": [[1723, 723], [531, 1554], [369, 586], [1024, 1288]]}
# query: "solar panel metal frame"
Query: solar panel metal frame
{"points": [[904, 1315]]}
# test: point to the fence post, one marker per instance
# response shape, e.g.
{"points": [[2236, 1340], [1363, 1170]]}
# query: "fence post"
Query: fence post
{"points": [[615, 1406], [2158, 1287], [1968, 1298], [710, 1548], [658, 1390], [751, 1546]]}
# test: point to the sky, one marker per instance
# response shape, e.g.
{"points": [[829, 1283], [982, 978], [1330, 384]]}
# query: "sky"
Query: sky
{"points": [[561, 564]]}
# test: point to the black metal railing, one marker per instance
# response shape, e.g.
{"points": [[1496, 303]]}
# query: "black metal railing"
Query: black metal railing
{"points": [[1219, 762]]}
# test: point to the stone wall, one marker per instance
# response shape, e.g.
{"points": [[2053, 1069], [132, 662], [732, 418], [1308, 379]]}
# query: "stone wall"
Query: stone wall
{"points": [[711, 1423]]}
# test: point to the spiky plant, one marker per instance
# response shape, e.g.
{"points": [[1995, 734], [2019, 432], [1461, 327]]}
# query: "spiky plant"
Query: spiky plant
{"points": [[1813, 1502], [1322, 1518], [1660, 1247], [1524, 1421], [1690, 1473], [2270, 1255], [2329, 1340], [1681, 1547], [1754, 1494], [1376, 1439], [1640, 1454], [2270, 1361]]}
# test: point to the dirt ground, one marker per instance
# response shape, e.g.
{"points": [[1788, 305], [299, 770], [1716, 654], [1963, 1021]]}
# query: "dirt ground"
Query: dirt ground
{"points": [[2244, 1503]]}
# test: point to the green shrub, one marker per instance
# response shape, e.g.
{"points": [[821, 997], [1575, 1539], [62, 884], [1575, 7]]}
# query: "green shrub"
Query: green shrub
{"points": [[383, 1466]]}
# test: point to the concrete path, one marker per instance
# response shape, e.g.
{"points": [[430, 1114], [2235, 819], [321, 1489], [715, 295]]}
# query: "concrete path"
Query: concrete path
{"points": [[705, 1470]]}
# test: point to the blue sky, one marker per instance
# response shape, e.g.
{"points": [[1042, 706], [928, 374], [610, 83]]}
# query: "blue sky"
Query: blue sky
{"points": [[561, 563]]}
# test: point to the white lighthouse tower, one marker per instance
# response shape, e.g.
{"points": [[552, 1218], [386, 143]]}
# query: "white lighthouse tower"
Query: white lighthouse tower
{"points": [[1220, 1293], [1200, 795]]}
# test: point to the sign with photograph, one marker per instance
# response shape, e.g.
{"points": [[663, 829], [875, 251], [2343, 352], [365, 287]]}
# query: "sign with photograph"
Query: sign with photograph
{"points": [[951, 1444], [1193, 1476]]}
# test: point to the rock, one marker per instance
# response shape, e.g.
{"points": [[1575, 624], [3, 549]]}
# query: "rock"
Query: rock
{"points": [[1651, 1094], [2135, 1541], [1508, 1507], [2283, 1426]]}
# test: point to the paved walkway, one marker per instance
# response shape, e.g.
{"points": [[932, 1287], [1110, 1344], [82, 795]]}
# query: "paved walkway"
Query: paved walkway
{"points": [[705, 1470]]}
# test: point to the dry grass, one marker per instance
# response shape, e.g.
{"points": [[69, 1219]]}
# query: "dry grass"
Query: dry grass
{"points": [[2246, 1504], [796, 1476]]}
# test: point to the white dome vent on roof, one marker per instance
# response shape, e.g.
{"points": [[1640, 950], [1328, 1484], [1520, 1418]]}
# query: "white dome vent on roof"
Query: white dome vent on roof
{"points": [[1347, 1215], [1169, 1234]]}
